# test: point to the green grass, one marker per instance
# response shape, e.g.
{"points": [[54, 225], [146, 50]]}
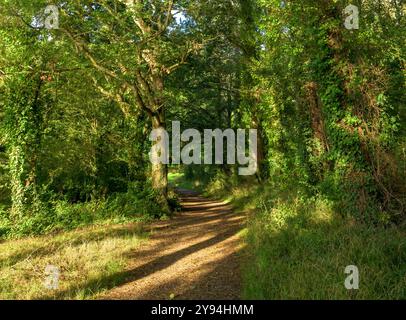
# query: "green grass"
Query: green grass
{"points": [[90, 261], [298, 248], [177, 180], [307, 261]]}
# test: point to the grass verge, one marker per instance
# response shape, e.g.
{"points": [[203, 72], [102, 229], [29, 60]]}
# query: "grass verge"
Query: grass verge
{"points": [[304, 257], [89, 260], [297, 247]]}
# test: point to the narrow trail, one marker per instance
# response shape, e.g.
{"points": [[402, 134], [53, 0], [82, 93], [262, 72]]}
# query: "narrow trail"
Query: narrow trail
{"points": [[193, 256]]}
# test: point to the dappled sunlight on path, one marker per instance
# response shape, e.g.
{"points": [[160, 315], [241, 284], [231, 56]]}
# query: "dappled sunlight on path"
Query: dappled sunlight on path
{"points": [[193, 256]]}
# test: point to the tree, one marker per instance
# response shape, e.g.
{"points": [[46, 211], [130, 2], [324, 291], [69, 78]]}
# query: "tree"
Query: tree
{"points": [[135, 45]]}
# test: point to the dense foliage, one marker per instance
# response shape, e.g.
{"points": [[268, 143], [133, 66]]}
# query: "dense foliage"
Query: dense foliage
{"points": [[77, 104]]}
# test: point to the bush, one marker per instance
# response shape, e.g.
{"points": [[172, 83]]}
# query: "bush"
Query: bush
{"points": [[174, 202], [137, 204], [4, 223]]}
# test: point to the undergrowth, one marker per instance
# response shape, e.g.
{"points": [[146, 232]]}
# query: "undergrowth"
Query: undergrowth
{"points": [[298, 245]]}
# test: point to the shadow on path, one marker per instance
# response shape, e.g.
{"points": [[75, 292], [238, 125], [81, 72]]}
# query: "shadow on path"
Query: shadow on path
{"points": [[192, 256]]}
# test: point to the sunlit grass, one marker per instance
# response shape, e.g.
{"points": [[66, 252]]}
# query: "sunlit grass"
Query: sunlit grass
{"points": [[298, 249], [177, 179], [83, 257], [308, 261]]}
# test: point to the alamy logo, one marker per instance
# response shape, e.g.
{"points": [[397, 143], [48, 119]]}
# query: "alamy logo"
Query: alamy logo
{"points": [[196, 152], [352, 281], [352, 20], [51, 277], [51, 17]]}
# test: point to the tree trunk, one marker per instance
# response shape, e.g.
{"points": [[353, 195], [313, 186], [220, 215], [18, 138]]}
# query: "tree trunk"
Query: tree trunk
{"points": [[159, 172]]}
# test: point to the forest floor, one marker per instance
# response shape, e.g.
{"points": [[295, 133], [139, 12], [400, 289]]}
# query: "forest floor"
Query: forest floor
{"points": [[196, 255]]}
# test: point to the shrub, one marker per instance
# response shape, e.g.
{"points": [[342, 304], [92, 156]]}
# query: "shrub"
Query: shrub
{"points": [[137, 204]]}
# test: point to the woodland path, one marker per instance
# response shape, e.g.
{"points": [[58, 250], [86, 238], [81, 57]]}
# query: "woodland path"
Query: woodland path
{"points": [[192, 256]]}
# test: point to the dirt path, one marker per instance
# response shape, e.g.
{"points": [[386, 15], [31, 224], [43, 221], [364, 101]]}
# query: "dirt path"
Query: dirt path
{"points": [[193, 256]]}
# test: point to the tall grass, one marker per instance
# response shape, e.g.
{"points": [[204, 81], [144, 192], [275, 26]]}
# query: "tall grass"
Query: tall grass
{"points": [[89, 260], [300, 251], [298, 246]]}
